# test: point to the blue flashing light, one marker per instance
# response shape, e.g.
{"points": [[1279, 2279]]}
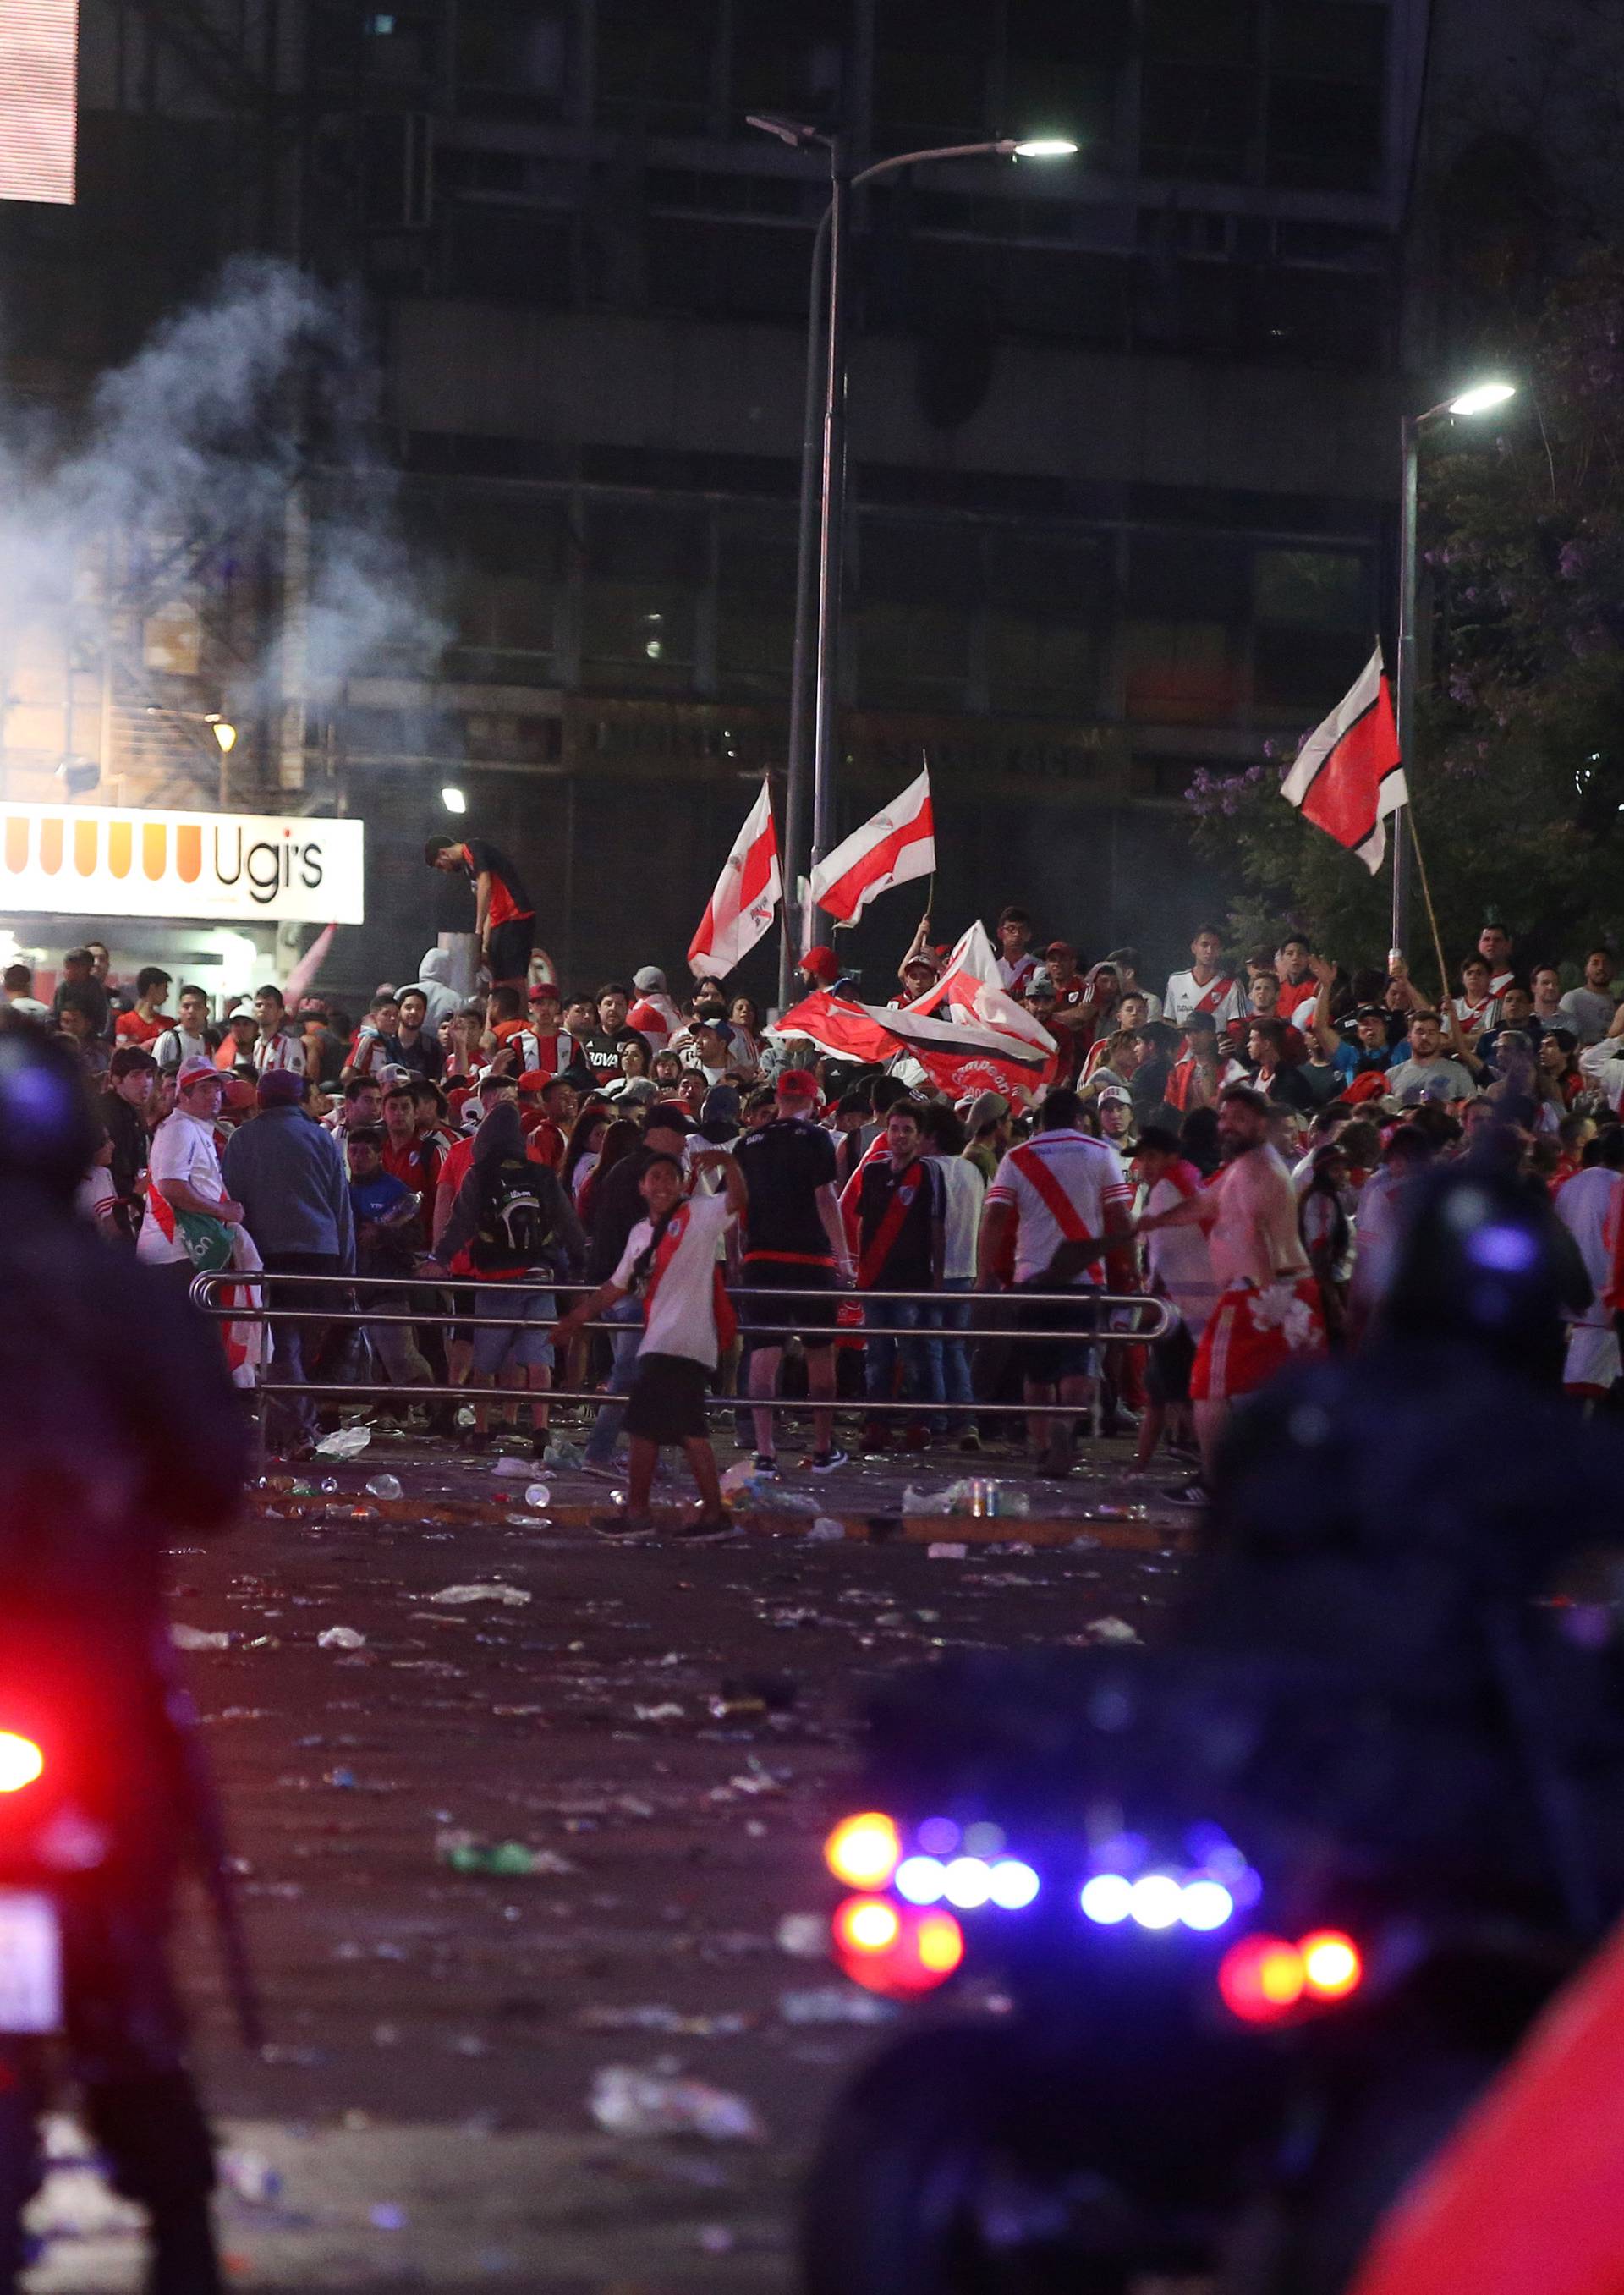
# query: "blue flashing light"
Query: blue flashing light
{"points": [[1107, 1898], [1205, 1904], [938, 1836], [1012, 1885], [921, 1880], [967, 1884], [1155, 1900]]}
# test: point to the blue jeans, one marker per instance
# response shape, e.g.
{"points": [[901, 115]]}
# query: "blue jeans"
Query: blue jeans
{"points": [[950, 1381], [605, 1436], [921, 1357]]}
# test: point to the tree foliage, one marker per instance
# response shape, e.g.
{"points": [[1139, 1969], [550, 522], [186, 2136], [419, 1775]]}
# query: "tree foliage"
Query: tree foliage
{"points": [[1518, 778]]}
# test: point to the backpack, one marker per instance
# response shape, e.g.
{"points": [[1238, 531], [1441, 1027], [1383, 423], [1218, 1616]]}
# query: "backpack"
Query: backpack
{"points": [[512, 1230]]}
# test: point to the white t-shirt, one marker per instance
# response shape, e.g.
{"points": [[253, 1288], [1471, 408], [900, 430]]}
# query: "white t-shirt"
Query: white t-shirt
{"points": [[183, 1148], [1177, 1258], [1089, 1175], [965, 1187], [1224, 998], [1591, 1206], [1589, 1012], [680, 1314]]}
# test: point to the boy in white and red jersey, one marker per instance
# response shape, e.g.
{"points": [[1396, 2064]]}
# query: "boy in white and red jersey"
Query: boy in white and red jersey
{"points": [[1205, 988], [670, 1259], [1062, 1188]]}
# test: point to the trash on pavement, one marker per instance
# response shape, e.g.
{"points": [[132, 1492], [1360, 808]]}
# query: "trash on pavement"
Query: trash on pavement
{"points": [[826, 1530], [804, 1936], [465, 1854], [564, 1454], [739, 1477], [626, 2102], [194, 1637], [945, 1550], [508, 1464], [343, 1442], [1109, 1630], [384, 1486], [661, 2018], [834, 2004], [512, 1597], [539, 1494], [343, 1637]]}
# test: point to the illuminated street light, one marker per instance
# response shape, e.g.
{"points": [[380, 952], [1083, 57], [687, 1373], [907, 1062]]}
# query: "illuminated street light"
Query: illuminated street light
{"points": [[223, 732], [814, 663], [1477, 398], [453, 800], [1481, 396]]}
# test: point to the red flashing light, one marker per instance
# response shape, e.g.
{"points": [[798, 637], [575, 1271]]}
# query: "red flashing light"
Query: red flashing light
{"points": [[897, 1949], [1261, 1978], [20, 1761]]}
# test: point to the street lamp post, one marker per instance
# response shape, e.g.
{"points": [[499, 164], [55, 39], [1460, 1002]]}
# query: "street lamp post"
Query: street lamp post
{"points": [[1477, 400], [820, 536]]}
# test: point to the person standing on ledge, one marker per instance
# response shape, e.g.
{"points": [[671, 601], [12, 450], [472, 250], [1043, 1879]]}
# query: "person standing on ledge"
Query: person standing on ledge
{"points": [[504, 915]]}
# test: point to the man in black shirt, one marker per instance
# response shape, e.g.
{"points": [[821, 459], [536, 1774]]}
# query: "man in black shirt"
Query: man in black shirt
{"points": [[504, 914], [901, 1209], [792, 1241], [603, 1046], [131, 1076]]}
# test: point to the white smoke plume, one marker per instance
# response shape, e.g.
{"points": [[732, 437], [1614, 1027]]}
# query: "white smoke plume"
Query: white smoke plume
{"points": [[190, 456]]}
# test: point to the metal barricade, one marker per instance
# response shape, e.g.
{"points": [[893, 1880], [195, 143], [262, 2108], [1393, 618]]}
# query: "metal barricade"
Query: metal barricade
{"points": [[1112, 1313]]}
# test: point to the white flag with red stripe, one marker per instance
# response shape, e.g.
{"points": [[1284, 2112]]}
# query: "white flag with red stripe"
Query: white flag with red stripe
{"points": [[895, 846], [959, 1056], [972, 988], [1348, 775], [746, 893]]}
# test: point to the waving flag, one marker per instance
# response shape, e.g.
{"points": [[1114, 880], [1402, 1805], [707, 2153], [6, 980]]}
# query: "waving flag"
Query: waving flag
{"points": [[1349, 776], [746, 893], [896, 846], [958, 1056], [973, 989]]}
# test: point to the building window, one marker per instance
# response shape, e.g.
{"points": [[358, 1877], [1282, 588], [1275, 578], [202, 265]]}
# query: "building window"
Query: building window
{"points": [[508, 560], [1314, 620], [1328, 63], [1201, 89], [1044, 603], [919, 584], [645, 567], [756, 603]]}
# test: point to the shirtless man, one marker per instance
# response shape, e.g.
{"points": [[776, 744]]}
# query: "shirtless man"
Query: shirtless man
{"points": [[1267, 1311]]}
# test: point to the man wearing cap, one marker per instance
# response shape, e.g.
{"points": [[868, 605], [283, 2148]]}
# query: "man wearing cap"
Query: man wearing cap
{"points": [[555, 1046], [1369, 1053], [183, 1172], [290, 1177], [794, 1240], [1195, 1078], [236, 1052], [819, 968], [654, 1015], [987, 1121]]}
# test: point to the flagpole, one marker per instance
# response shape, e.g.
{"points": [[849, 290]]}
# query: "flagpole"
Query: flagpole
{"points": [[1431, 915], [1403, 832]]}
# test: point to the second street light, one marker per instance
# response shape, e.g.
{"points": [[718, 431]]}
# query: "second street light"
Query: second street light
{"points": [[820, 554], [1479, 398]]}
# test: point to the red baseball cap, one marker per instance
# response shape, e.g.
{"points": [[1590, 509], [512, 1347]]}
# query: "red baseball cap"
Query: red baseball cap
{"points": [[535, 1080], [823, 963], [798, 1083]]}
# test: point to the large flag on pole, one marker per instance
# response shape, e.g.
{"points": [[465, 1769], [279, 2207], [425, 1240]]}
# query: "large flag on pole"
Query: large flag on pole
{"points": [[1349, 776], [897, 844], [746, 893]]}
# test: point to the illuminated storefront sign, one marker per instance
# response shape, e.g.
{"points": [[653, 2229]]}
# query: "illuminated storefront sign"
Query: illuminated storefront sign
{"points": [[38, 101], [92, 861]]}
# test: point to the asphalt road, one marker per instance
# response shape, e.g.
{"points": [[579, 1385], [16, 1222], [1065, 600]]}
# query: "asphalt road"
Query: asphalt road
{"points": [[421, 2117]]}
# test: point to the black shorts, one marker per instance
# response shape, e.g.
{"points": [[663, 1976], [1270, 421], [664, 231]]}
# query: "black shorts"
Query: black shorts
{"points": [[1167, 1373], [812, 1320], [507, 955], [668, 1399], [1044, 1360]]}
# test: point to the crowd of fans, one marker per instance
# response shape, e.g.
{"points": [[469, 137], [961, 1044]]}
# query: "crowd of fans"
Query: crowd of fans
{"points": [[500, 1146]]}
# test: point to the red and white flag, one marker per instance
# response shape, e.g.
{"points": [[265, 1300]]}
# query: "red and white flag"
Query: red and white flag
{"points": [[1349, 776], [972, 989], [896, 846], [746, 893], [959, 1056]]}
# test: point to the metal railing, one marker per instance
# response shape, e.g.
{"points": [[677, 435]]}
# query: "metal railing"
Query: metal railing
{"points": [[992, 1315]]}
